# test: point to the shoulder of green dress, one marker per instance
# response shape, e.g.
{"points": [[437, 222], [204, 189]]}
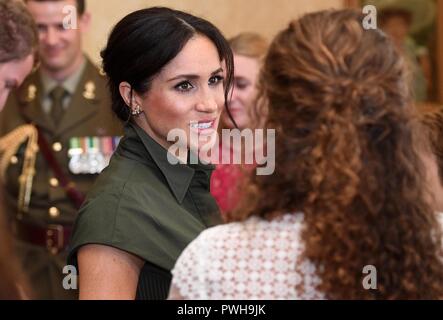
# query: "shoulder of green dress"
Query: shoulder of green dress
{"points": [[129, 176], [118, 213]]}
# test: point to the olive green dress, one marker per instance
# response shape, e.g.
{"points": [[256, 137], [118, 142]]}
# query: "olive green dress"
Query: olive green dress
{"points": [[144, 205]]}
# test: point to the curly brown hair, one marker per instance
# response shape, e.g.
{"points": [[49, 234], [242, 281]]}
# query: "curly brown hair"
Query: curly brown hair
{"points": [[347, 157], [18, 33]]}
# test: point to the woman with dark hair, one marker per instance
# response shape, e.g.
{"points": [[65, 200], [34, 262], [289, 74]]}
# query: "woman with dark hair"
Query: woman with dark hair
{"points": [[18, 42], [346, 214], [168, 71]]}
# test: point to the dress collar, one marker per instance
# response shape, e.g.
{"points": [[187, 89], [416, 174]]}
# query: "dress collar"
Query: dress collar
{"points": [[178, 176]]}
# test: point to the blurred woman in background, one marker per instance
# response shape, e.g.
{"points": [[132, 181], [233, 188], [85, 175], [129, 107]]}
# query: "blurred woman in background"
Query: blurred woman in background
{"points": [[249, 51], [18, 41], [349, 193]]}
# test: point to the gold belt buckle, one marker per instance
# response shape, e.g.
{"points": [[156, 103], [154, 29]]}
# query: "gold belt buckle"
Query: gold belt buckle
{"points": [[54, 238]]}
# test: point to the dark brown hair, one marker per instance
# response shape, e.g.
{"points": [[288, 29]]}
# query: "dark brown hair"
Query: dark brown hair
{"points": [[18, 35], [346, 157], [145, 41]]}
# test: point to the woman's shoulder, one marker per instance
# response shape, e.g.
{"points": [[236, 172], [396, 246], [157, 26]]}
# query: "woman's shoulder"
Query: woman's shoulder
{"points": [[124, 180], [123, 170], [120, 210]]}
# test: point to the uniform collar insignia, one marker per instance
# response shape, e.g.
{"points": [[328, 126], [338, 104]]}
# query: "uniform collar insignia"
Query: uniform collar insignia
{"points": [[89, 91], [31, 93]]}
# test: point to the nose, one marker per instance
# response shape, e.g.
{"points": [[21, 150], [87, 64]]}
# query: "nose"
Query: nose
{"points": [[235, 95], [207, 102], [50, 37]]}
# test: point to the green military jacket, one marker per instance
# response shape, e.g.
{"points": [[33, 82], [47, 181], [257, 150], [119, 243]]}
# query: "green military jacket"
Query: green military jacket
{"points": [[88, 114], [144, 205]]}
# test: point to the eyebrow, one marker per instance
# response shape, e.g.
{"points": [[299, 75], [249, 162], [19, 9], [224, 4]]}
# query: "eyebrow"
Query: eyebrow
{"points": [[193, 76]]}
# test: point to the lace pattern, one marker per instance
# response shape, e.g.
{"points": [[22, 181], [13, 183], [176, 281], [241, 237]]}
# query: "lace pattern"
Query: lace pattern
{"points": [[256, 259]]}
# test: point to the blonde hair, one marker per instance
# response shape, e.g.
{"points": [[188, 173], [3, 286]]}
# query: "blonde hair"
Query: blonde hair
{"points": [[255, 46], [249, 44]]}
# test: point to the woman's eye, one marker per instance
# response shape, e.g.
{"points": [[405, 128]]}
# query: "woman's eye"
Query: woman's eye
{"points": [[184, 86], [241, 85], [215, 80]]}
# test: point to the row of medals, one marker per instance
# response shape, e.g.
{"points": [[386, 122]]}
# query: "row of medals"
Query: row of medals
{"points": [[90, 155]]}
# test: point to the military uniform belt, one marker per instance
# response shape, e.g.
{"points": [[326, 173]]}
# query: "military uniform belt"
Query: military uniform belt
{"points": [[54, 237]]}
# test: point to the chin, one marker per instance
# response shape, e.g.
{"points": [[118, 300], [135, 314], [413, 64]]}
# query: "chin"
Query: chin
{"points": [[55, 64]]}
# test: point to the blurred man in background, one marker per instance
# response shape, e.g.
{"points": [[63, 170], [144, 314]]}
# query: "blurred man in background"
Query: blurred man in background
{"points": [[18, 43], [67, 102]]}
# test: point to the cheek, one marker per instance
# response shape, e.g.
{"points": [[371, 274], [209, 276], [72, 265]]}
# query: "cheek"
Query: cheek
{"points": [[71, 37], [168, 112], [244, 96], [250, 95]]}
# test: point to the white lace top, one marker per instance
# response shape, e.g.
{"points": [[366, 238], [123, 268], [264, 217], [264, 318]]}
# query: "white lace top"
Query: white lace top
{"points": [[256, 259]]}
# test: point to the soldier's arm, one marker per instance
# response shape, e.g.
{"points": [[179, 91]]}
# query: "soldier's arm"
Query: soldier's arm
{"points": [[107, 273]]}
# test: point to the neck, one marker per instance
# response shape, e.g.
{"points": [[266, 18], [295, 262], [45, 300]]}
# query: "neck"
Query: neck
{"points": [[63, 74]]}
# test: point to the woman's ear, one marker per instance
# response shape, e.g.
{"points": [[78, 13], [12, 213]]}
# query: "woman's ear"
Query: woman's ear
{"points": [[126, 93], [130, 97]]}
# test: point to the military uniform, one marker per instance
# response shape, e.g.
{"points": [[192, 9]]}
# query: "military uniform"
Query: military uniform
{"points": [[144, 205], [43, 232]]}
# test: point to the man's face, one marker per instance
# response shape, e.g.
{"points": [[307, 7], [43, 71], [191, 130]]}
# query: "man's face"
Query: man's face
{"points": [[60, 48]]}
